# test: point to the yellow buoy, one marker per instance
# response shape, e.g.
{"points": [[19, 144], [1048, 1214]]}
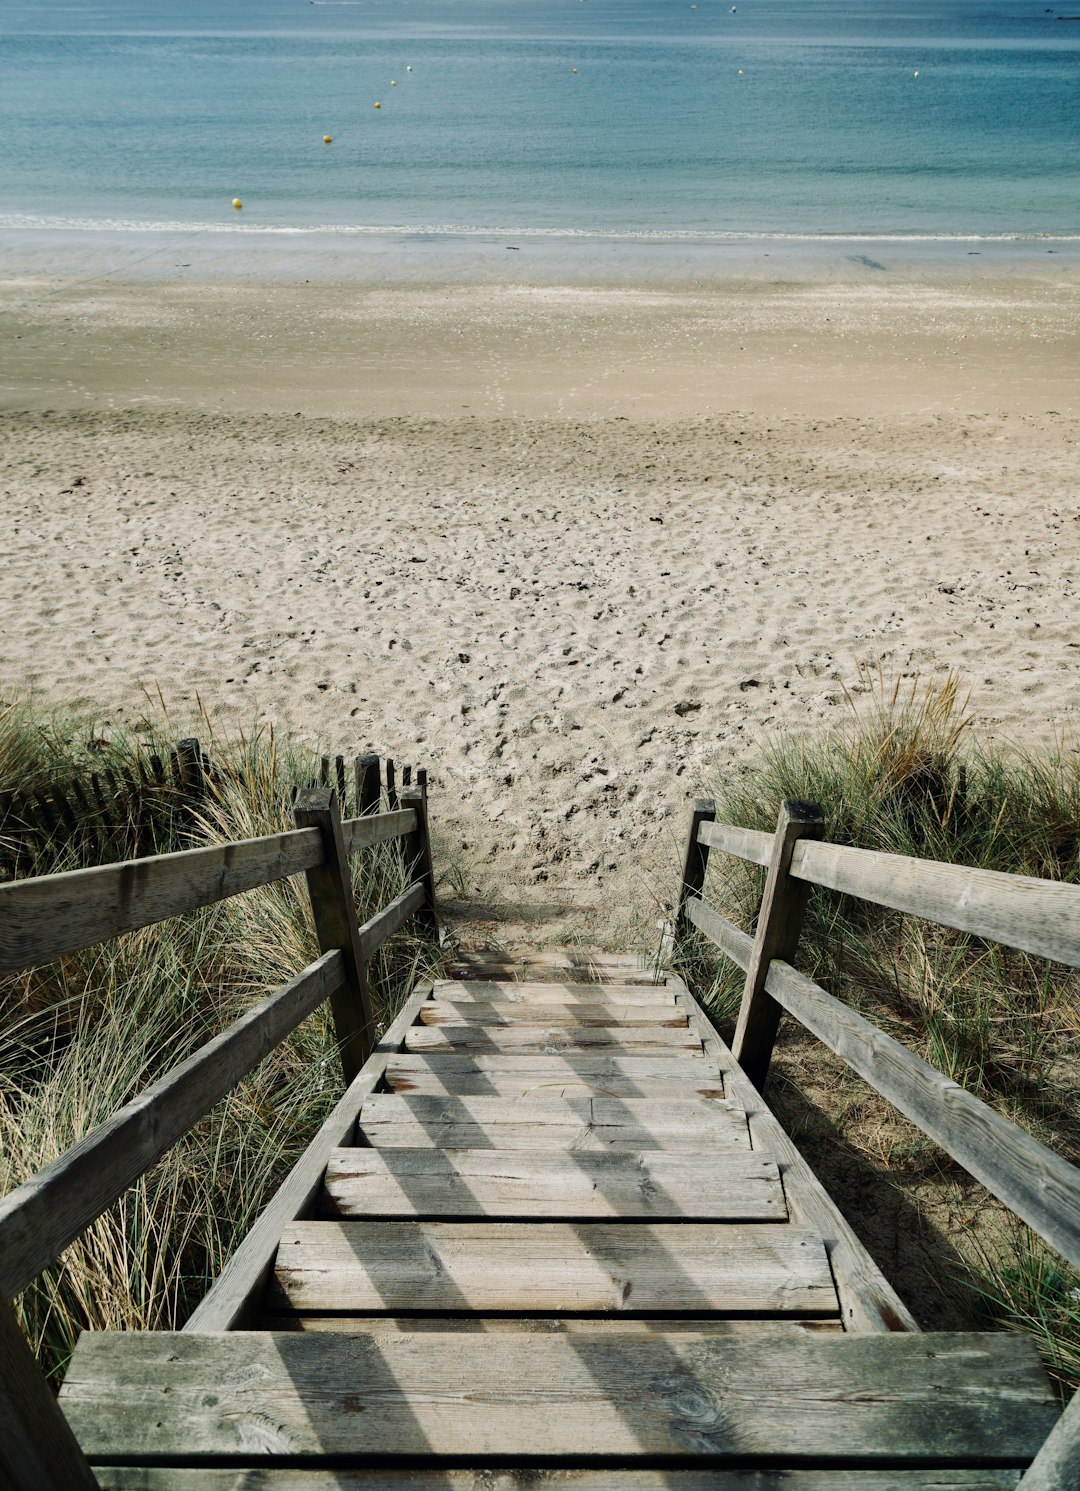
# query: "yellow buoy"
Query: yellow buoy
{"points": [[237, 203], [326, 139], [393, 84], [378, 106]]}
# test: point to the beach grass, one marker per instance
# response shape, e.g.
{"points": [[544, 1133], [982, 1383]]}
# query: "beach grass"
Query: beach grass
{"points": [[906, 774], [85, 1033]]}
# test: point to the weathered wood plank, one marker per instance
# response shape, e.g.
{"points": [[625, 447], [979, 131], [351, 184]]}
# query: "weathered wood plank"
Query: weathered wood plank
{"points": [[948, 1399], [727, 937], [758, 1327], [574, 1074], [779, 923], [744, 843], [236, 1291], [867, 1299], [503, 992], [580, 1016], [38, 1451], [574, 964], [50, 915], [551, 1039], [555, 1085], [365, 832], [692, 1126], [585, 1267], [382, 1479], [377, 929], [1035, 1183], [41, 1217], [733, 1187], [1040, 916]]}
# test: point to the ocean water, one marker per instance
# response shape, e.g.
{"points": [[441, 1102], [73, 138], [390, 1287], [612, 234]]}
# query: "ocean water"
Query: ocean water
{"points": [[616, 119]]}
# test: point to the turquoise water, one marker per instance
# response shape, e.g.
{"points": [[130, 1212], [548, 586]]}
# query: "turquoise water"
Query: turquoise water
{"points": [[798, 117]]}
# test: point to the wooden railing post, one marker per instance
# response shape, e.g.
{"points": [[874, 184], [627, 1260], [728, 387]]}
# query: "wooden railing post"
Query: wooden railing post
{"points": [[392, 803], [190, 769], [779, 923], [695, 863], [368, 785], [38, 1451], [418, 854], [330, 888]]}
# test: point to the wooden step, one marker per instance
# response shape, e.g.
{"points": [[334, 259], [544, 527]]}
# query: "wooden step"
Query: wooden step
{"points": [[416, 1122], [578, 966], [574, 1074], [554, 993], [240, 1398], [550, 1038], [443, 1012], [734, 1187], [111, 1478], [543, 994], [757, 1327], [588, 1267]]}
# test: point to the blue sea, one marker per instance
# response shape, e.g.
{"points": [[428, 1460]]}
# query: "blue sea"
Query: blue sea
{"points": [[607, 120]]}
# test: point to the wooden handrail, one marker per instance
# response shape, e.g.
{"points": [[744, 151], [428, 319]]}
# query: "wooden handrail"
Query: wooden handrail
{"points": [[76, 908], [363, 833], [395, 914], [744, 843], [1037, 916], [46, 917], [42, 1216], [737, 945], [50, 915], [1032, 1181]]}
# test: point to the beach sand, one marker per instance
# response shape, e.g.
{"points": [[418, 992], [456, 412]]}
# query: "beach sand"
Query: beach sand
{"points": [[576, 549]]}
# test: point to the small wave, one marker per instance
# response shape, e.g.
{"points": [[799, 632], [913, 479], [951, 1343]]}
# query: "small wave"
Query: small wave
{"points": [[30, 222]]}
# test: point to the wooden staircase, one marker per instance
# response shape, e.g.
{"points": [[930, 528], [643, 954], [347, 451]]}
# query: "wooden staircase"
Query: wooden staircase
{"points": [[567, 1244]]}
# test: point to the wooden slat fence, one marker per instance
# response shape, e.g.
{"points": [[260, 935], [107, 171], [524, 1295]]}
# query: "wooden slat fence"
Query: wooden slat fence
{"points": [[48, 916], [109, 814]]}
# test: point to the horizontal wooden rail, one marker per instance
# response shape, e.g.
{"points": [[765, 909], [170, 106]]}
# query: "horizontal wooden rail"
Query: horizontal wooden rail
{"points": [[1031, 1180], [374, 933], [55, 914], [44, 1215], [51, 915], [362, 833], [727, 937], [744, 843], [1038, 916]]}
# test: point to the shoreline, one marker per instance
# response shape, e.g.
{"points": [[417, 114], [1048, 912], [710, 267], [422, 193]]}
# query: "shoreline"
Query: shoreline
{"points": [[679, 260]]}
